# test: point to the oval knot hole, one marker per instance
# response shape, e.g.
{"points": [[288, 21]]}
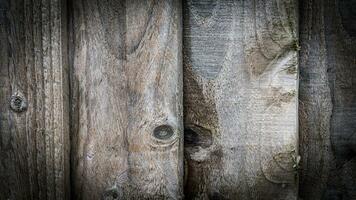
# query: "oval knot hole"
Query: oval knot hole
{"points": [[163, 132]]}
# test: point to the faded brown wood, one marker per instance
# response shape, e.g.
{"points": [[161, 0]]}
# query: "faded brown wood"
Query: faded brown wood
{"points": [[328, 99], [240, 99], [34, 130], [127, 100]]}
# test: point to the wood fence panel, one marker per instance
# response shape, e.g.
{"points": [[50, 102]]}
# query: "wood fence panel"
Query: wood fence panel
{"points": [[127, 121], [120, 98], [34, 114], [328, 99], [240, 99]]}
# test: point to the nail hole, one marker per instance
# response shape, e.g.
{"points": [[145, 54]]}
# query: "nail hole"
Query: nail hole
{"points": [[163, 132], [18, 103]]}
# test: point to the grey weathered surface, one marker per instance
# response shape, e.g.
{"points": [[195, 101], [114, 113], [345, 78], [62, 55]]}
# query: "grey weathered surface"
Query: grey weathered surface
{"points": [[328, 99], [240, 99], [34, 143], [127, 100]]}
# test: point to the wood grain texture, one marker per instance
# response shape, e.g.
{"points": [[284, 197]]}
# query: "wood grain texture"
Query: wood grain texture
{"points": [[240, 99], [328, 99], [127, 100], [34, 143]]}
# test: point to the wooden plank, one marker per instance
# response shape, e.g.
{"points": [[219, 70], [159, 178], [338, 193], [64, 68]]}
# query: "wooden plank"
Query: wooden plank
{"points": [[34, 115], [328, 99], [240, 99], [127, 100]]}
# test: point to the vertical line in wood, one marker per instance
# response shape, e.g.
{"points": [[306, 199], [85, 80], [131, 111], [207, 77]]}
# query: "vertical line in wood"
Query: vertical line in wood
{"points": [[327, 100]]}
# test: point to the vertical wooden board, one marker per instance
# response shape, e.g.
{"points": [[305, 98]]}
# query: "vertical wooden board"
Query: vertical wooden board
{"points": [[315, 102], [14, 171], [240, 99], [328, 100], [34, 131], [127, 100]]}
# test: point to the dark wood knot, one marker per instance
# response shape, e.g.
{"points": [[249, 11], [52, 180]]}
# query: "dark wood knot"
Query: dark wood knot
{"points": [[163, 132], [111, 194], [18, 103]]}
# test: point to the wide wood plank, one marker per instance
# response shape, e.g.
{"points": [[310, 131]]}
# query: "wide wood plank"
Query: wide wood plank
{"points": [[328, 99], [127, 100], [240, 99], [34, 114]]}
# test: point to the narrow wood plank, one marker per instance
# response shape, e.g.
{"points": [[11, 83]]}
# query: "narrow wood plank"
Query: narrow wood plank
{"points": [[240, 99], [127, 100], [34, 117], [328, 99]]}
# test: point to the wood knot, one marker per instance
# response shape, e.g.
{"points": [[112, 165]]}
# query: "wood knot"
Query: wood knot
{"points": [[163, 132], [111, 194], [198, 143], [197, 136], [18, 103], [164, 136]]}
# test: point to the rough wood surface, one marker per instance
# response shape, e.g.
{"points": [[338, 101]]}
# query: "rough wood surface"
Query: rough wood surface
{"points": [[328, 99], [127, 100], [34, 130], [240, 99]]}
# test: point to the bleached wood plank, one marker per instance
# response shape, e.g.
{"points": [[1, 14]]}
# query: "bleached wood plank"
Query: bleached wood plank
{"points": [[240, 99]]}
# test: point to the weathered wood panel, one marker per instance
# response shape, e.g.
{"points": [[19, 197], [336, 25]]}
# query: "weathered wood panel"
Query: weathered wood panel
{"points": [[328, 99], [127, 100], [240, 99], [34, 130]]}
